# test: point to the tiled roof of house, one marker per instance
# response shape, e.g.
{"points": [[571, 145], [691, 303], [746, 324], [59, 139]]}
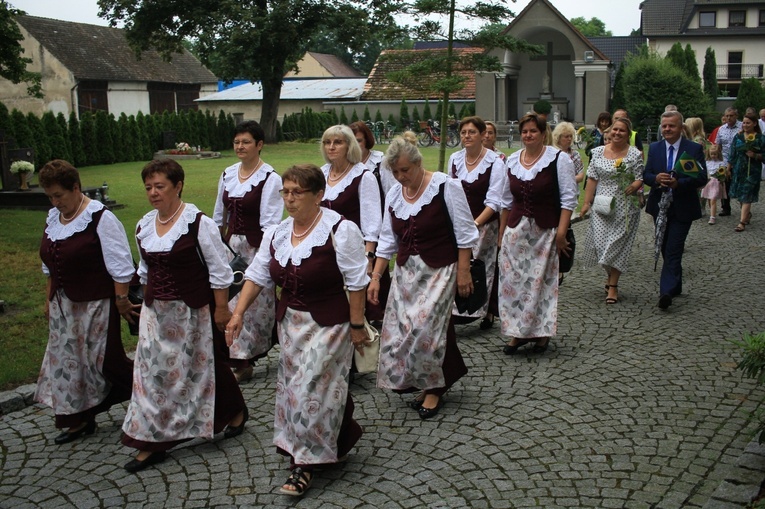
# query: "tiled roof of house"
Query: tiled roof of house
{"points": [[380, 88], [616, 48], [335, 66], [671, 18], [92, 52]]}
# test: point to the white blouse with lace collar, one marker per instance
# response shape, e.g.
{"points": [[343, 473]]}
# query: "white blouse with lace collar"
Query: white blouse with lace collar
{"points": [[496, 182], [369, 198], [213, 250], [349, 249], [456, 203], [271, 203], [111, 234], [568, 188]]}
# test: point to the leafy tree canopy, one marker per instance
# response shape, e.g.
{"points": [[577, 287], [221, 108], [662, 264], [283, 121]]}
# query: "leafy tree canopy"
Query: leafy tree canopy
{"points": [[13, 65], [258, 40], [593, 27]]}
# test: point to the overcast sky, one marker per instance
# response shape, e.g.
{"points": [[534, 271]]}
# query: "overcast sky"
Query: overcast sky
{"points": [[621, 20]]}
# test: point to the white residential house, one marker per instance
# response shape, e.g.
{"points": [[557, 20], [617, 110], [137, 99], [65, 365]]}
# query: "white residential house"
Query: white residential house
{"points": [[734, 29]]}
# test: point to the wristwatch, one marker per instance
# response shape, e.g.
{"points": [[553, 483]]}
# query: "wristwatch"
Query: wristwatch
{"points": [[371, 255]]}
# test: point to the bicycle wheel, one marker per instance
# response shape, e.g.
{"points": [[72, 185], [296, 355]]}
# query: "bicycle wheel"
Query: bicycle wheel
{"points": [[424, 139], [452, 139]]}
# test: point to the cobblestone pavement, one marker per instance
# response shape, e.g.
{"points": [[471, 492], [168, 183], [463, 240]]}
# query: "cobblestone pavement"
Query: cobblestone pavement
{"points": [[630, 407]]}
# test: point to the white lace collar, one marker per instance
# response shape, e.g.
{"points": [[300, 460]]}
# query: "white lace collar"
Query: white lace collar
{"points": [[375, 158], [331, 192], [404, 210], [55, 230], [522, 173], [487, 161], [231, 178], [284, 251], [148, 237]]}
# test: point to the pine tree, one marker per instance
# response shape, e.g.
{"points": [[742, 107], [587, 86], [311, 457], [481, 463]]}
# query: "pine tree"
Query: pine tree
{"points": [[710, 76], [61, 121], [618, 101], [690, 64], [378, 116], [54, 137], [676, 55], [343, 117], [335, 119], [415, 120], [91, 152], [439, 109], [39, 140], [426, 114], [79, 158], [403, 114], [104, 138], [6, 125], [354, 117], [124, 152], [21, 131], [142, 133], [222, 132], [136, 139], [367, 117]]}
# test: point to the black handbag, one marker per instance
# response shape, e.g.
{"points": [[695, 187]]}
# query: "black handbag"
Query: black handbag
{"points": [[480, 295], [565, 262], [238, 265], [135, 296]]}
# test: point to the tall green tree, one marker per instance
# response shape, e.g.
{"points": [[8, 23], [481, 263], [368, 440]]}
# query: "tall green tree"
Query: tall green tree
{"points": [[259, 40], [710, 76], [13, 65], [104, 138], [21, 132], [691, 66], [62, 124], [54, 137], [441, 67], [5, 121], [90, 146], [592, 27], [75, 141], [39, 140], [750, 95], [676, 55]]}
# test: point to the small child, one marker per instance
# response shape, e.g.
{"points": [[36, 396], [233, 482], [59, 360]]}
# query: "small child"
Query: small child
{"points": [[714, 190]]}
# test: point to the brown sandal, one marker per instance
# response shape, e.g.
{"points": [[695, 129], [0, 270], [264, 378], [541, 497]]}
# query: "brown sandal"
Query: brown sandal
{"points": [[612, 300], [300, 480], [740, 227]]}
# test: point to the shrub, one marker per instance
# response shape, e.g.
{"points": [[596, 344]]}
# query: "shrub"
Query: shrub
{"points": [[750, 95], [753, 366]]}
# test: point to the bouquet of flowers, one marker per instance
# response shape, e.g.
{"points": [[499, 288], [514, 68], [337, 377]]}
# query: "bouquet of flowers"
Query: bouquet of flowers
{"points": [[750, 143], [22, 167], [624, 178], [719, 174], [183, 148]]}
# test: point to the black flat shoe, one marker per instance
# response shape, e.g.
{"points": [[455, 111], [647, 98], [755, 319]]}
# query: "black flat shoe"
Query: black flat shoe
{"points": [[427, 413], [513, 349], [154, 458], [235, 431], [665, 301], [416, 403], [487, 323], [542, 348], [70, 436]]}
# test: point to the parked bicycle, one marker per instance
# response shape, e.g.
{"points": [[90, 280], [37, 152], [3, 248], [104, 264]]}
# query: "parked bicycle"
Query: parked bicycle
{"points": [[382, 131], [431, 134]]}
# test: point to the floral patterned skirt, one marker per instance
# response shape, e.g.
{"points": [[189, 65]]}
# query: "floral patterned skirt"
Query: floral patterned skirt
{"points": [[413, 338], [311, 387], [528, 281], [485, 250], [258, 320], [174, 375], [72, 373]]}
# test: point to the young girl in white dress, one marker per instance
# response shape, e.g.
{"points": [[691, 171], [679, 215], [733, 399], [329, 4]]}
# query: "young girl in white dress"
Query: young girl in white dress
{"points": [[713, 191]]}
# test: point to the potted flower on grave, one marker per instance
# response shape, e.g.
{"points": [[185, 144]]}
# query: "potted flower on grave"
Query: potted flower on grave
{"points": [[22, 169]]}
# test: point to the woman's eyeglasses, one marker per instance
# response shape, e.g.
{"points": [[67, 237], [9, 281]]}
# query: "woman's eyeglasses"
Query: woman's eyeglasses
{"points": [[297, 193]]}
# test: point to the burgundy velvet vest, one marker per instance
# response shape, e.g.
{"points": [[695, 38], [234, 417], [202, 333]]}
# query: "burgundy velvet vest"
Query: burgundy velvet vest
{"points": [[538, 198], [76, 264], [179, 274], [316, 286], [244, 213], [429, 234], [347, 203], [476, 192]]}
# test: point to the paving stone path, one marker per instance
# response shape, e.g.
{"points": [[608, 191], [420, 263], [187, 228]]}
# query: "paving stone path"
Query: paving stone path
{"points": [[630, 407]]}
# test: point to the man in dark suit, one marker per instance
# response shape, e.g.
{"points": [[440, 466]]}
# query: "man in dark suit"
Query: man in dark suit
{"points": [[684, 208]]}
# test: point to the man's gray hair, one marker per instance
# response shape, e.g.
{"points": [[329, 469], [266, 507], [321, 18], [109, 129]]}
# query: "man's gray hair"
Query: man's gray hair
{"points": [[675, 114]]}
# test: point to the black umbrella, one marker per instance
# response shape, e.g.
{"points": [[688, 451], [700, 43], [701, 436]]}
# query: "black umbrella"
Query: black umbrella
{"points": [[661, 225]]}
